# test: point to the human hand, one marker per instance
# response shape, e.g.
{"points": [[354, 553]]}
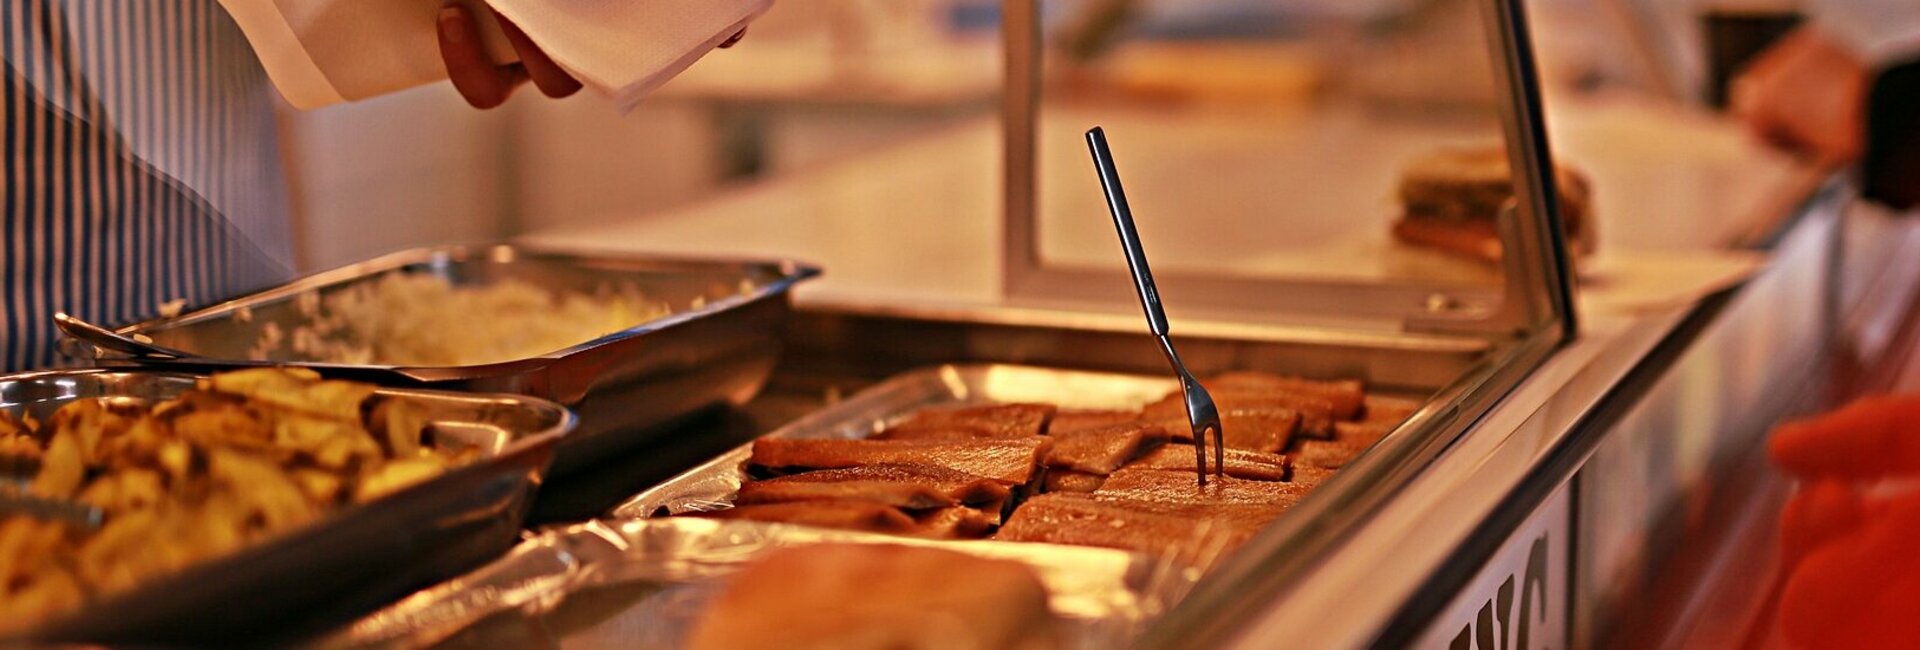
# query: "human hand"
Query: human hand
{"points": [[1805, 94], [480, 81], [485, 84], [1852, 576]]}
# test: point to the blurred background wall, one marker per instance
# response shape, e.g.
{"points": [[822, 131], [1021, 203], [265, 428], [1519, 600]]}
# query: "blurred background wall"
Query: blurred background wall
{"points": [[421, 167], [814, 81]]}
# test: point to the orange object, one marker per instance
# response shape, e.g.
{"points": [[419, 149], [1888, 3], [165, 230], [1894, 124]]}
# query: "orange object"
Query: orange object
{"points": [[1859, 588], [1853, 575], [1870, 438]]}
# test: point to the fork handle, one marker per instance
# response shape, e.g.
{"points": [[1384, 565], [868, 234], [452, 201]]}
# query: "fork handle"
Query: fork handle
{"points": [[1129, 237]]}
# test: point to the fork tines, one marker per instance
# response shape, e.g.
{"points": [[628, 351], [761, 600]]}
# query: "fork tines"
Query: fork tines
{"points": [[1204, 417]]}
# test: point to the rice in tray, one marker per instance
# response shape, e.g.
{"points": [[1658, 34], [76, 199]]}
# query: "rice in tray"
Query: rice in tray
{"points": [[424, 320]]}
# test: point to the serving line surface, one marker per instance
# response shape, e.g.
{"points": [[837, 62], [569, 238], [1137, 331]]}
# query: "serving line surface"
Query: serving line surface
{"points": [[918, 226]]}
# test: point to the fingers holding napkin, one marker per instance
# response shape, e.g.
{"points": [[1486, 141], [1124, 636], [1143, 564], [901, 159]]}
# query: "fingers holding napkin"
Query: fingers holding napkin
{"points": [[321, 52], [624, 48]]}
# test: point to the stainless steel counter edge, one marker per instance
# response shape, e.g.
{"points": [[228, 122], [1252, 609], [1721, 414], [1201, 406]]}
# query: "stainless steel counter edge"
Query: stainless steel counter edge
{"points": [[1351, 597]]}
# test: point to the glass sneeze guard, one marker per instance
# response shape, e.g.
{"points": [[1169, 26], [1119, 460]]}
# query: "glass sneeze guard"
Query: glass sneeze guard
{"points": [[1265, 167]]}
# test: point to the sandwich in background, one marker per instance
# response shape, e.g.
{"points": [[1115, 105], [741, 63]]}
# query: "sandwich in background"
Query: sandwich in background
{"points": [[1451, 201]]}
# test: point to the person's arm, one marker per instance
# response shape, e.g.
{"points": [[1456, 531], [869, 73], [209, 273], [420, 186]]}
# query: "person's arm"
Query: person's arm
{"points": [[1806, 94], [1885, 36], [1845, 89]]}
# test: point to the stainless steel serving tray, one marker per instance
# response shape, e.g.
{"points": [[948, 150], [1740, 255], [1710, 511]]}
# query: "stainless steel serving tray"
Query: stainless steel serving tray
{"points": [[639, 583], [1455, 378], [717, 347], [342, 566], [714, 484]]}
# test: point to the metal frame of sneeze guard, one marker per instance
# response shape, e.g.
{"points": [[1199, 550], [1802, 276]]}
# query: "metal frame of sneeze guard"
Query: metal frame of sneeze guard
{"points": [[1528, 325], [1535, 299]]}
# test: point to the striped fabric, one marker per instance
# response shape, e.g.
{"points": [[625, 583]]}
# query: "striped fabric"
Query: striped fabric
{"points": [[141, 165]]}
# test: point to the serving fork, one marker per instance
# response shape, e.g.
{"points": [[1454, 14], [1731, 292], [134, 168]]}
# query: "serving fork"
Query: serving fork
{"points": [[1202, 415]]}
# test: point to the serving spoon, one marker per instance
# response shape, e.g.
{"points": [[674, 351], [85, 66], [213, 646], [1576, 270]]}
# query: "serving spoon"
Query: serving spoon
{"points": [[107, 339]]}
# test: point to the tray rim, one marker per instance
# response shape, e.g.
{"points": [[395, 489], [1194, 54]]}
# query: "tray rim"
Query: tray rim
{"points": [[565, 421], [791, 273], [535, 448]]}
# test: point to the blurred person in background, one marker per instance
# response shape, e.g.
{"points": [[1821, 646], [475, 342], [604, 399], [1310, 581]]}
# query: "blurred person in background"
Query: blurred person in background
{"points": [[142, 163], [1845, 90]]}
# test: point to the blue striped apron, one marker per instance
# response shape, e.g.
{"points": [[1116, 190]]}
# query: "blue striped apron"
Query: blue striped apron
{"points": [[141, 165]]}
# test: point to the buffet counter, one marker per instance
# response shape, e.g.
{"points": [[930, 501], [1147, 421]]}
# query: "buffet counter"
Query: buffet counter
{"points": [[1710, 319], [1483, 365]]}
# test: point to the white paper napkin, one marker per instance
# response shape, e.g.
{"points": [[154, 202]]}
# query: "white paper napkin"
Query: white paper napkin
{"points": [[626, 48], [321, 52]]}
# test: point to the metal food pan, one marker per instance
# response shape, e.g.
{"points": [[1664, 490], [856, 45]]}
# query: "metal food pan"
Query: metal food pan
{"points": [[717, 347], [341, 566], [828, 347], [714, 484], [1455, 378], [638, 583]]}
